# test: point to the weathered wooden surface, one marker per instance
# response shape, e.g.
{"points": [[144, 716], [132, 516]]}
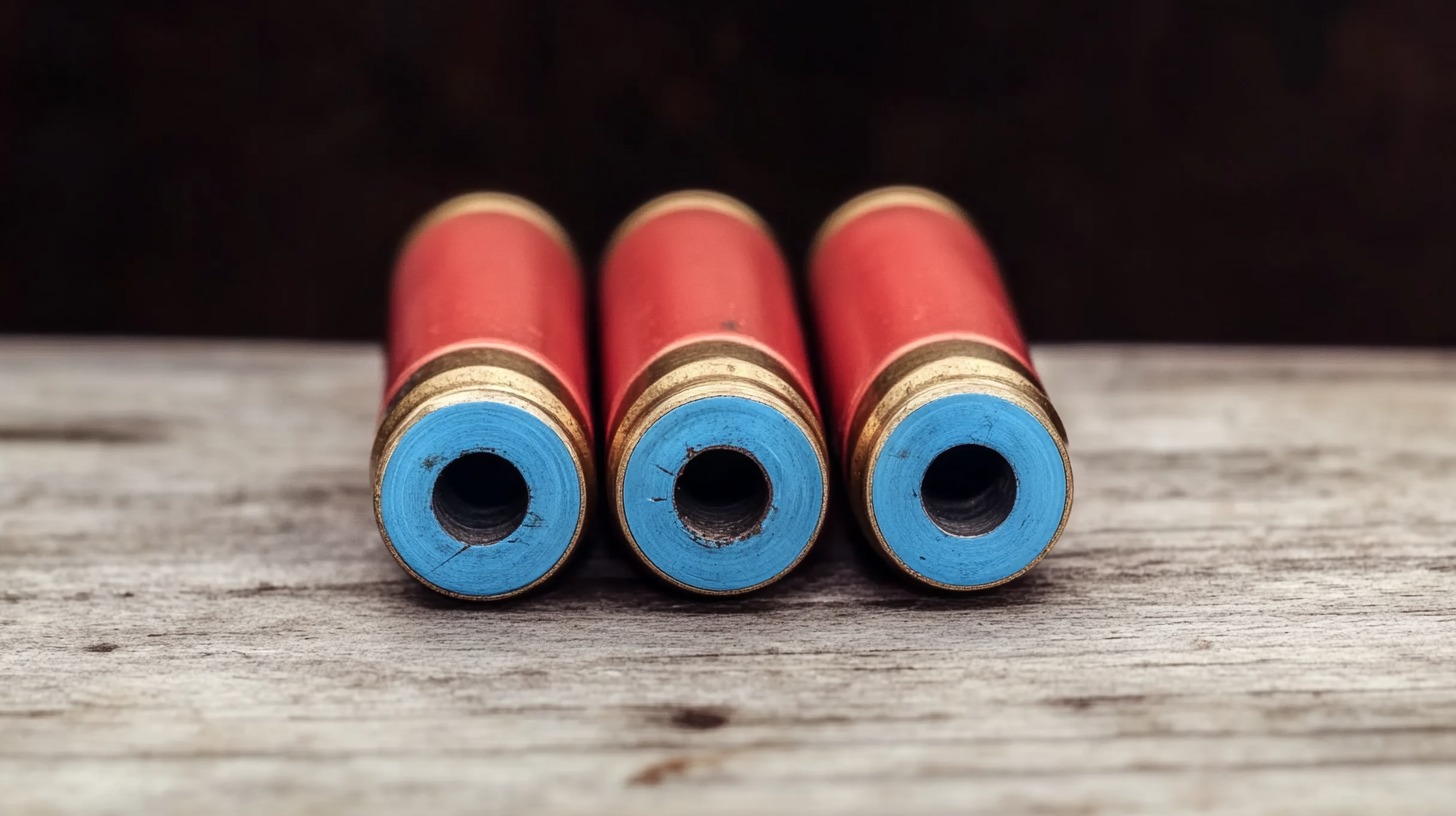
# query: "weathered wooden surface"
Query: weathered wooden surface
{"points": [[1253, 610]]}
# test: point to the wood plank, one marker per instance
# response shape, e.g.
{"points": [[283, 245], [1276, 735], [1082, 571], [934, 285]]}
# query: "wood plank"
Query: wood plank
{"points": [[1253, 610]]}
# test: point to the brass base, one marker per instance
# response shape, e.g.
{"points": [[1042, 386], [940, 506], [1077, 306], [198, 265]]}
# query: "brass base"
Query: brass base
{"points": [[478, 374], [926, 373], [713, 368]]}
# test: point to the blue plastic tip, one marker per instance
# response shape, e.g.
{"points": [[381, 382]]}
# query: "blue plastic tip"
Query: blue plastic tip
{"points": [[968, 490], [481, 499], [723, 494]]}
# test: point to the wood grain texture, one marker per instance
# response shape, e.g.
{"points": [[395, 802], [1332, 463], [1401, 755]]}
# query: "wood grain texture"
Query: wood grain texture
{"points": [[1253, 610]]}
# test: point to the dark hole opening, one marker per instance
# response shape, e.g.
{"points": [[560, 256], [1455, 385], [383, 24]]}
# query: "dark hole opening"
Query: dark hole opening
{"points": [[968, 490], [480, 498], [722, 494]]}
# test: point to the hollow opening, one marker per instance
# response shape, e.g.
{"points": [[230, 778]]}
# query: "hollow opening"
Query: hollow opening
{"points": [[968, 490], [480, 498], [722, 494]]}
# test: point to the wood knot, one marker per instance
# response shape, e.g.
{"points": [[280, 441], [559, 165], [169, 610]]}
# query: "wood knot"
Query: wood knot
{"points": [[699, 719]]}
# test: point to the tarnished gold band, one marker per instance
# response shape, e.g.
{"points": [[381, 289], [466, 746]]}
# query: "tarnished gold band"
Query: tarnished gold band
{"points": [[712, 368], [491, 202], [687, 200], [922, 375], [486, 374], [879, 199]]}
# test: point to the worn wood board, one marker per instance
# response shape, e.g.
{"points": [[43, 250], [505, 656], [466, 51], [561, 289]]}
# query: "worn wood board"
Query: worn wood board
{"points": [[1253, 610]]}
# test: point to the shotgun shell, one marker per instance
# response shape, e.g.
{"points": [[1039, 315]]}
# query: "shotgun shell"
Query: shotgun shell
{"points": [[482, 464], [957, 463], [716, 454]]}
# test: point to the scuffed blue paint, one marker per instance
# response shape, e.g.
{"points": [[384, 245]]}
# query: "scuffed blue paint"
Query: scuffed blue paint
{"points": [[968, 419], [512, 563], [788, 458]]}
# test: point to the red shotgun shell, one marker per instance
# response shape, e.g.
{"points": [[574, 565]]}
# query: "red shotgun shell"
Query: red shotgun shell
{"points": [[716, 454], [957, 462], [482, 463]]}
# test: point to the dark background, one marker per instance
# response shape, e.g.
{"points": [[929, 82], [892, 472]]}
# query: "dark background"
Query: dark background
{"points": [[1251, 172]]}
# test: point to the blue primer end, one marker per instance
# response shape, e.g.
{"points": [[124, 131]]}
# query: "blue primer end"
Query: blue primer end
{"points": [[524, 556], [795, 506], [968, 561]]}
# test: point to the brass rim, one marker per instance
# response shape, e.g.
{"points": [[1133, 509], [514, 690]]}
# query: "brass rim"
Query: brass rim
{"points": [[485, 374], [920, 376], [710, 368]]}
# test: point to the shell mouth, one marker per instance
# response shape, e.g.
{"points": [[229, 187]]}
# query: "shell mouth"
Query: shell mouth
{"points": [[480, 498], [968, 490], [722, 495]]}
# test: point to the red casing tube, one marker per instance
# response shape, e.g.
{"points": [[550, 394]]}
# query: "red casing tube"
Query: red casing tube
{"points": [[705, 366], [533, 306], [486, 419], [877, 267], [955, 459], [737, 291]]}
